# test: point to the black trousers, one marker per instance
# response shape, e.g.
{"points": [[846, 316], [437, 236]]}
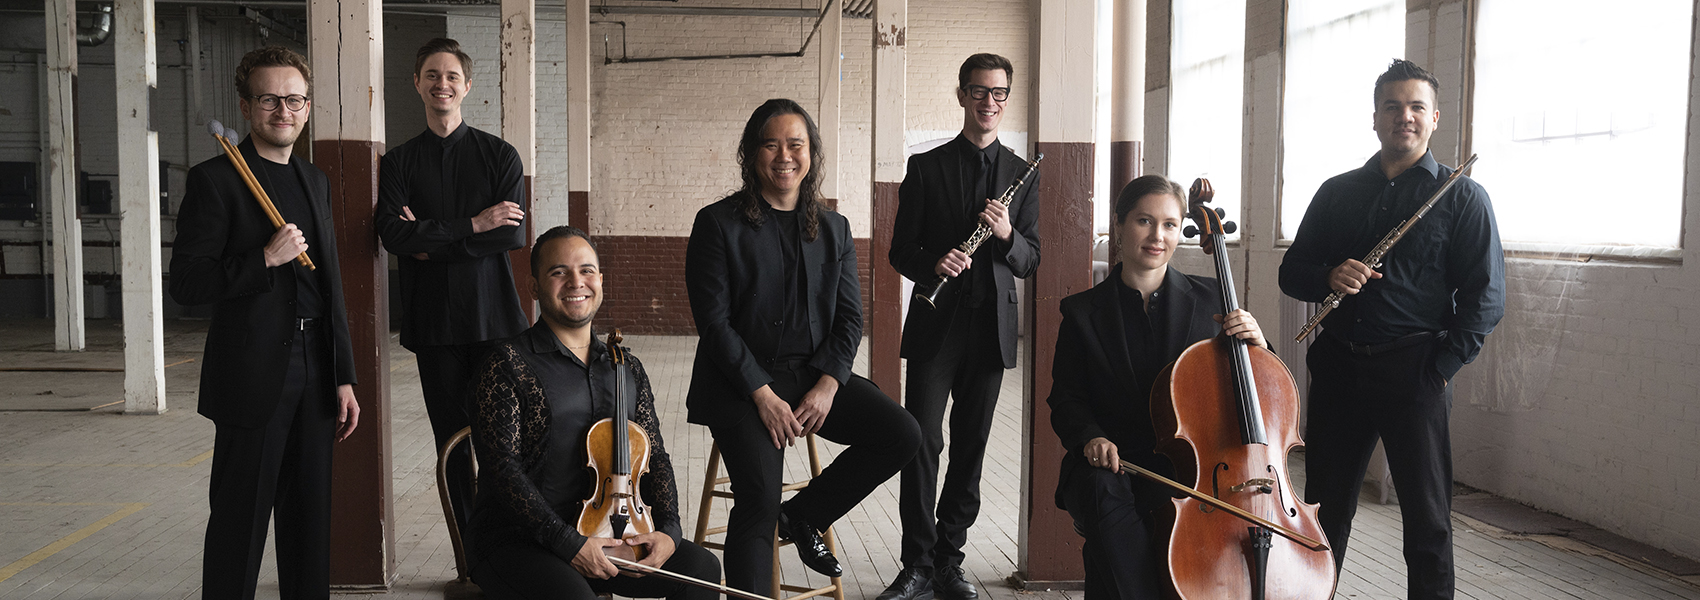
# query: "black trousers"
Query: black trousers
{"points": [[524, 570], [447, 375], [1399, 398], [1124, 549], [284, 464], [881, 438], [968, 368]]}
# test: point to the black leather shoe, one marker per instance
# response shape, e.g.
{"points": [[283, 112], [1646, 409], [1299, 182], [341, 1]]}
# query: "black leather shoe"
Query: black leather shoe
{"points": [[951, 585], [810, 546], [914, 583]]}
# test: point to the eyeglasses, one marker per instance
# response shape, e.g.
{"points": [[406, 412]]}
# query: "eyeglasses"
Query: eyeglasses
{"points": [[978, 92], [295, 102]]}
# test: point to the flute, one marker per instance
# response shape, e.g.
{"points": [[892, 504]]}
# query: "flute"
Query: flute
{"points": [[1373, 259], [218, 132]]}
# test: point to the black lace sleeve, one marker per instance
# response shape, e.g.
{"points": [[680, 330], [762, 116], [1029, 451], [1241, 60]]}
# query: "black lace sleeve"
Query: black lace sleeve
{"points": [[660, 487], [507, 432]]}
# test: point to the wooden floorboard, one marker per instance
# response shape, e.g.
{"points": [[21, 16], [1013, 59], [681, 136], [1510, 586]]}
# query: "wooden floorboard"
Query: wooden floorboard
{"points": [[61, 472]]}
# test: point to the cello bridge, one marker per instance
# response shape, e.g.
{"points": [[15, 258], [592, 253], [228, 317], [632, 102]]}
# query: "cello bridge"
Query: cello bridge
{"points": [[1259, 485]]}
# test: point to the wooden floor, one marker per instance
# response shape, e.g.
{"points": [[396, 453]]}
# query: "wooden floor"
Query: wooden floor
{"points": [[96, 504]]}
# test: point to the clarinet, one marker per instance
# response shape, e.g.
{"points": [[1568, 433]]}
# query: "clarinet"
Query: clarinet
{"points": [[929, 293], [1373, 259]]}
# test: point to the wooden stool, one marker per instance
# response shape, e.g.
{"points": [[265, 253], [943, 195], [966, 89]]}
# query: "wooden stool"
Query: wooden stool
{"points": [[711, 483], [461, 587]]}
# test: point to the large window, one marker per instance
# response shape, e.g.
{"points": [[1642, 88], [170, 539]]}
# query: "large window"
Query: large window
{"points": [[1580, 115], [1335, 50], [1208, 69]]}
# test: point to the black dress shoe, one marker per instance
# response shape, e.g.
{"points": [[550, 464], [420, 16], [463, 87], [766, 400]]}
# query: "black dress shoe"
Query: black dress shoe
{"points": [[914, 583], [810, 546], [951, 585]]}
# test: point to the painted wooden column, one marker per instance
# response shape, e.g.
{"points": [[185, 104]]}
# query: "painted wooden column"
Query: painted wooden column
{"points": [[519, 124], [578, 113], [1064, 47], [828, 115], [138, 203], [346, 49], [67, 236], [1127, 98], [885, 316]]}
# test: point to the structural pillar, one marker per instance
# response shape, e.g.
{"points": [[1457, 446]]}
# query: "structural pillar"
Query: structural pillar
{"points": [[346, 50], [885, 317], [519, 124], [578, 113], [61, 109], [1064, 47], [1127, 102], [138, 204], [827, 116]]}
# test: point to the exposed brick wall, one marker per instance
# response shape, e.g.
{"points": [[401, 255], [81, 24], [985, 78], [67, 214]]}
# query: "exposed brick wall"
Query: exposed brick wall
{"points": [[644, 284]]}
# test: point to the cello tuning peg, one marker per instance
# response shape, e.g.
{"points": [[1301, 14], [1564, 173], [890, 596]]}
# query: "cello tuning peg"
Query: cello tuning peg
{"points": [[1190, 231], [1221, 214], [1229, 227]]}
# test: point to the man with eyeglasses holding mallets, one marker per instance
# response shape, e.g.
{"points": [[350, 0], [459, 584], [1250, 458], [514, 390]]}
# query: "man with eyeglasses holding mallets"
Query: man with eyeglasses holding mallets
{"points": [[277, 377], [450, 205], [960, 348]]}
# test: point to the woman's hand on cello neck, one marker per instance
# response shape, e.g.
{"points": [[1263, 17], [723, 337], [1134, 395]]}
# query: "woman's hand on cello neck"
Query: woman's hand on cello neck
{"points": [[1242, 325]]}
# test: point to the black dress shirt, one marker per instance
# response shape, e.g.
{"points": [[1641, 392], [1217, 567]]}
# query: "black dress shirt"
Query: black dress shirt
{"points": [[536, 401], [794, 339], [1146, 335], [290, 199], [463, 292], [1447, 275]]}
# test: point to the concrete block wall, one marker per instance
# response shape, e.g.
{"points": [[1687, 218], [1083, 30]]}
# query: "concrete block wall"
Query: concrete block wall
{"points": [[1583, 402]]}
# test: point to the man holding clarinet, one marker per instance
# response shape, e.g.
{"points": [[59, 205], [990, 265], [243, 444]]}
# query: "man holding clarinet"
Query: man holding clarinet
{"points": [[278, 381]]}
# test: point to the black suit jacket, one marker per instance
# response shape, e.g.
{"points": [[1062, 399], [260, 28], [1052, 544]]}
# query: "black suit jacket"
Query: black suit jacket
{"points": [[1093, 389], [219, 258], [736, 279], [932, 219]]}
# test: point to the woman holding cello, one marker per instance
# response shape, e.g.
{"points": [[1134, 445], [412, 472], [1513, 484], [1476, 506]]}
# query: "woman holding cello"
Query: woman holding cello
{"points": [[1114, 343]]}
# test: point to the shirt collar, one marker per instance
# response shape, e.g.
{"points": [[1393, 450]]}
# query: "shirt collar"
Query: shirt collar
{"points": [[991, 150], [1426, 163], [454, 136], [544, 342]]}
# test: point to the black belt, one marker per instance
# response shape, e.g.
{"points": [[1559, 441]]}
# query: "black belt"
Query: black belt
{"points": [[1382, 348], [306, 323]]}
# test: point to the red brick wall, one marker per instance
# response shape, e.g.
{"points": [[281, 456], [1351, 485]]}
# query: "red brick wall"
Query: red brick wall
{"points": [[643, 284]]}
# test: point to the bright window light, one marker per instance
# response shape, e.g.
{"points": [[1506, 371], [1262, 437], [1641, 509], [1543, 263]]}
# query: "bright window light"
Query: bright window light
{"points": [[1335, 50], [1207, 66], [1579, 117]]}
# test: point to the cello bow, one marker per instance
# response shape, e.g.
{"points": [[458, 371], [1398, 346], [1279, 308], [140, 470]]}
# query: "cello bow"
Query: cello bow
{"points": [[1300, 538]]}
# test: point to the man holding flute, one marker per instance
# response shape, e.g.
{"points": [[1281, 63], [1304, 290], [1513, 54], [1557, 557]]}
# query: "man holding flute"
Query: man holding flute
{"points": [[1382, 365], [278, 373]]}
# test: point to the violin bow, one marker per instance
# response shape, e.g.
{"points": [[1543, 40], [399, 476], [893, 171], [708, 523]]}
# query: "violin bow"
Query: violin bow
{"points": [[1302, 539], [637, 567]]}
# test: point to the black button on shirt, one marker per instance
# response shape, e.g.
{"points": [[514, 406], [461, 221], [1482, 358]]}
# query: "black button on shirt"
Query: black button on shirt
{"points": [[284, 188], [1446, 275], [464, 292]]}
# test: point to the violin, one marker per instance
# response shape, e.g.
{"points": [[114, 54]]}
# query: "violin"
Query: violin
{"points": [[1226, 414], [619, 456]]}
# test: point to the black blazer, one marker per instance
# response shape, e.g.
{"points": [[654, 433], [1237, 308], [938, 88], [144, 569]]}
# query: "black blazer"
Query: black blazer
{"points": [[932, 220], [219, 258], [1093, 389], [736, 280]]}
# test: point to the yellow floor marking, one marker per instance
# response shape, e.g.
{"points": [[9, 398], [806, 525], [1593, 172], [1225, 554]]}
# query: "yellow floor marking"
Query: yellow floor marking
{"points": [[26, 562]]}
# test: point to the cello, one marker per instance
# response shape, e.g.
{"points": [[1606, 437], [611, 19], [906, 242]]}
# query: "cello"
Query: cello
{"points": [[1226, 414]]}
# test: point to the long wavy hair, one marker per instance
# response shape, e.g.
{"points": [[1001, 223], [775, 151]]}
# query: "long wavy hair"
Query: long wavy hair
{"points": [[808, 195]]}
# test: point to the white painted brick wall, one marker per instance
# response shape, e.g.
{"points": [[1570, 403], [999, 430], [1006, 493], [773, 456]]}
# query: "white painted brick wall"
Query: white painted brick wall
{"points": [[664, 134]]}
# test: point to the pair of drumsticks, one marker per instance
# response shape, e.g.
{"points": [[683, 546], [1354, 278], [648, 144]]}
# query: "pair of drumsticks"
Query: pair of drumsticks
{"points": [[226, 139]]}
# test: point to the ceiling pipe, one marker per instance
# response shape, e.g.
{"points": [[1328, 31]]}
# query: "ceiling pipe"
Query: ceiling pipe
{"points": [[101, 31]]}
